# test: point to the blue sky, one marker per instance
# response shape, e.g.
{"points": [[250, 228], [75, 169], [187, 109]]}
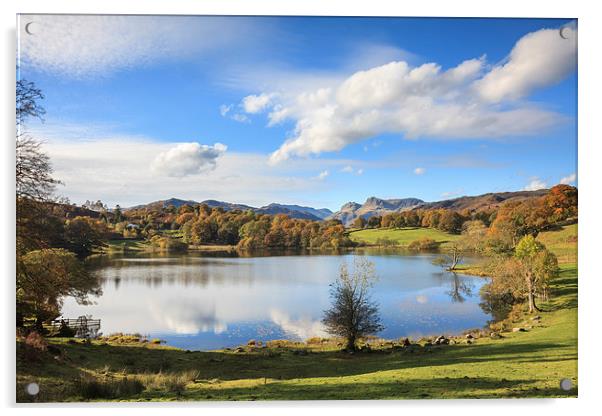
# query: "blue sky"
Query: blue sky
{"points": [[314, 111]]}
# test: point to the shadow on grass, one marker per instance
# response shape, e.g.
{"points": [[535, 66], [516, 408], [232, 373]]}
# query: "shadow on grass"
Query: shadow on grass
{"points": [[400, 388]]}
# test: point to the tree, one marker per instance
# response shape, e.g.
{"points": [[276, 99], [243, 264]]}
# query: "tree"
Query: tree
{"points": [[33, 169], [83, 234], [44, 278], [117, 214], [453, 256], [526, 274], [374, 222], [359, 222], [539, 266], [353, 314]]}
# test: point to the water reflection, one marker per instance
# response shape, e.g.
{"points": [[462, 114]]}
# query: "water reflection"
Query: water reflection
{"points": [[200, 302]]}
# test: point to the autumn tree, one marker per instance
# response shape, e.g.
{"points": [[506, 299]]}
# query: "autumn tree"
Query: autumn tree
{"points": [[359, 222], [526, 274], [353, 314], [44, 278]]}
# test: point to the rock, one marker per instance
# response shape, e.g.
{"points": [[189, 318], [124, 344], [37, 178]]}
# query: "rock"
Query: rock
{"points": [[495, 335], [536, 318], [519, 330], [469, 336], [406, 342], [239, 350], [469, 341]]}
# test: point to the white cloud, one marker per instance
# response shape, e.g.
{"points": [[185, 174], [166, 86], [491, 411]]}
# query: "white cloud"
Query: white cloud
{"points": [[241, 118], [187, 159], [253, 104], [535, 184], [349, 169], [322, 175], [90, 45], [95, 163], [538, 59], [567, 180], [224, 109], [422, 101], [419, 171]]}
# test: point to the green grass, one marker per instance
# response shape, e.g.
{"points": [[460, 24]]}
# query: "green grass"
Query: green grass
{"points": [[402, 236], [562, 242], [521, 364]]}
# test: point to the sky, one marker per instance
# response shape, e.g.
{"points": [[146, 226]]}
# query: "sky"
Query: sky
{"points": [[302, 110]]}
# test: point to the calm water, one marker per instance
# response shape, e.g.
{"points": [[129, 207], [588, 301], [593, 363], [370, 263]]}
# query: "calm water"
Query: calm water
{"points": [[197, 302]]}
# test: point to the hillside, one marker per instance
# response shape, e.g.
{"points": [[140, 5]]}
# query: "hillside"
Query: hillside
{"points": [[483, 202]]}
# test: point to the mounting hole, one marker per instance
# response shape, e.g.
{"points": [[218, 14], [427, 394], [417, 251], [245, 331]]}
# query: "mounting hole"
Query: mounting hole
{"points": [[32, 389], [566, 384]]}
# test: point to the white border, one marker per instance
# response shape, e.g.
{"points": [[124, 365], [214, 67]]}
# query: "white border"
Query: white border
{"points": [[590, 231]]}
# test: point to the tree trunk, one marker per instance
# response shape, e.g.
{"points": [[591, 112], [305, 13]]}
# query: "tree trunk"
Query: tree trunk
{"points": [[532, 306], [351, 343]]}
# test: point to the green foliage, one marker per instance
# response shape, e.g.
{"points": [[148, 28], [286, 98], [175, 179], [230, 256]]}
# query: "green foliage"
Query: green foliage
{"points": [[45, 277]]}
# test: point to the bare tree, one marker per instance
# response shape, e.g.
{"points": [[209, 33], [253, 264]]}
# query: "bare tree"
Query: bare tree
{"points": [[33, 169], [353, 314], [450, 260]]}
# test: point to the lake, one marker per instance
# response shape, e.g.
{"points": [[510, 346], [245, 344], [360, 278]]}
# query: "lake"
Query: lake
{"points": [[210, 301]]}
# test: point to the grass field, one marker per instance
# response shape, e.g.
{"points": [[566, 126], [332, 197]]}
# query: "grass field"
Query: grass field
{"points": [[402, 236], [521, 364], [562, 242]]}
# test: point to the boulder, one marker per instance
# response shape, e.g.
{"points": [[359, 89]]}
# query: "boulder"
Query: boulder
{"points": [[519, 330], [469, 336]]}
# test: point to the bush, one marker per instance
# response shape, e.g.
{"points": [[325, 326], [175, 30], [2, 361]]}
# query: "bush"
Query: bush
{"points": [[36, 341], [385, 241], [423, 244]]}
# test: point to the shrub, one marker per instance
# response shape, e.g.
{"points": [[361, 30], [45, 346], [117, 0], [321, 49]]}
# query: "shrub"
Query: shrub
{"points": [[385, 241], [36, 341], [423, 244]]}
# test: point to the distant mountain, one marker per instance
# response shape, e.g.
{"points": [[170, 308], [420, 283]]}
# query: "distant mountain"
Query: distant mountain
{"points": [[228, 206], [483, 202], [293, 211], [163, 204], [310, 213], [373, 206]]}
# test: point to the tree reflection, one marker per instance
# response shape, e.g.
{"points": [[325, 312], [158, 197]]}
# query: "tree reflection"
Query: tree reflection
{"points": [[460, 289]]}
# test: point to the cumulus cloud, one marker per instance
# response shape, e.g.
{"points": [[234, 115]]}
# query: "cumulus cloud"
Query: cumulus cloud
{"points": [[460, 102], [419, 171], [256, 103], [538, 59], [188, 159], [91, 45], [535, 184], [567, 180]]}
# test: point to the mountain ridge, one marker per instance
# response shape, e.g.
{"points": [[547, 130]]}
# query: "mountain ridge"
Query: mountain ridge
{"points": [[352, 210]]}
